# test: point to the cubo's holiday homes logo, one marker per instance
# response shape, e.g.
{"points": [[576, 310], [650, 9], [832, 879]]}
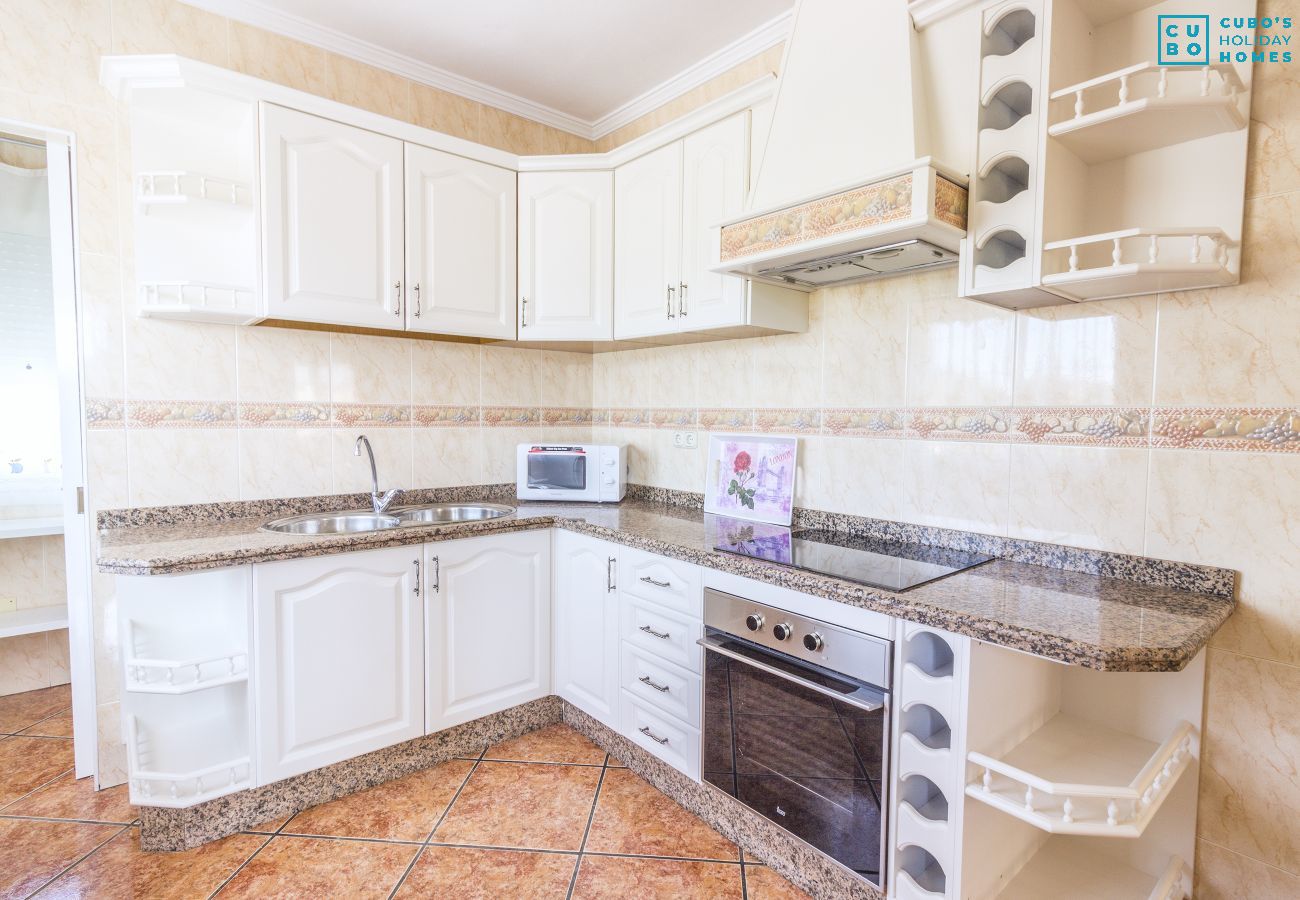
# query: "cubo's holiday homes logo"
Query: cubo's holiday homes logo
{"points": [[1185, 40]]}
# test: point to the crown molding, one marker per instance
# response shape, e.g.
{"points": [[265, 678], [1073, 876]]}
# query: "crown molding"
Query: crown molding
{"points": [[927, 12]]}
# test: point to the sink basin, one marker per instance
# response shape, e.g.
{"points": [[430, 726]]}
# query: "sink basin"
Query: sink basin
{"points": [[438, 513], [333, 523]]}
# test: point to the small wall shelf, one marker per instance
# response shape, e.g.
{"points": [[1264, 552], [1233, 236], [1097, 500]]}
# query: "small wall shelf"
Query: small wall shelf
{"points": [[199, 301], [186, 763], [1069, 869], [183, 676], [170, 189], [1076, 777], [33, 621], [1153, 106], [1141, 261], [33, 527]]}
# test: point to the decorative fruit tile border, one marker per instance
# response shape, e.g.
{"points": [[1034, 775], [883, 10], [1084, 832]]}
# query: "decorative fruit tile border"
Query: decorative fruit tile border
{"points": [[560, 416], [725, 419], [285, 415], [1082, 426], [788, 421], [445, 416], [105, 413], [1270, 429], [629, 418], [511, 416], [959, 424], [372, 415], [673, 418], [181, 414], [883, 423]]}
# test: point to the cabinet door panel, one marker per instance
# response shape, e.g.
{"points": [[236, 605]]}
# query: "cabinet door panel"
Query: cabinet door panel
{"points": [[566, 256], [586, 625], [332, 198], [488, 635], [714, 166], [647, 243], [460, 245], [339, 658]]}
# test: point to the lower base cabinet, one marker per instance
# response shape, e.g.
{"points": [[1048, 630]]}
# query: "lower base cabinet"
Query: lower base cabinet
{"points": [[586, 625], [339, 658], [488, 625]]}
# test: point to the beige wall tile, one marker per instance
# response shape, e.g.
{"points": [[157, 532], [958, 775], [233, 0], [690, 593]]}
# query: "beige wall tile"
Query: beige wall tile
{"points": [[108, 653], [724, 374], [1274, 160], [957, 485], [98, 181], [281, 364], [445, 457], [106, 472], [273, 57], [183, 465], [24, 664], [628, 378], [564, 379], [787, 367], [445, 372], [22, 571], [859, 476], [959, 353], [1224, 875], [168, 360], [1092, 497], [1240, 511], [671, 377], [1250, 786], [509, 376], [865, 360], [368, 369], [448, 113], [498, 128], [112, 746], [392, 448], [358, 84], [284, 462], [499, 446], [37, 33], [1086, 354], [169, 26], [101, 303]]}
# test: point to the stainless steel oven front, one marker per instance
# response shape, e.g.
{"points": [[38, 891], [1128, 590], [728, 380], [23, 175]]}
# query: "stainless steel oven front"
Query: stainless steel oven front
{"points": [[796, 725]]}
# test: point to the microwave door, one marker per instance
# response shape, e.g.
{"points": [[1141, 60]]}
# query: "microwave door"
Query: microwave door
{"points": [[557, 471]]}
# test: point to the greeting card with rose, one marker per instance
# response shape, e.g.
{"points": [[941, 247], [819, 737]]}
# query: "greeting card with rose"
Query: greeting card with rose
{"points": [[751, 477]]}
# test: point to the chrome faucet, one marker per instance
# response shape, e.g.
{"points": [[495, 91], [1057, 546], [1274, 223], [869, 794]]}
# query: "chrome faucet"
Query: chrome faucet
{"points": [[379, 501]]}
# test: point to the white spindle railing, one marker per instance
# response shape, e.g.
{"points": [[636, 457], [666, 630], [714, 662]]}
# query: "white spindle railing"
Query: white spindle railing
{"points": [[1158, 240], [152, 187], [1123, 82]]}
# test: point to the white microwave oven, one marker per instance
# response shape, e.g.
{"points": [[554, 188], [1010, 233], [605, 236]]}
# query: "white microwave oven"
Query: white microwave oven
{"points": [[596, 473]]}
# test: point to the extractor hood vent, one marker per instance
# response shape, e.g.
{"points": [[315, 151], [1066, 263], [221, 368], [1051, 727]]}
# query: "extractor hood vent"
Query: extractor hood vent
{"points": [[892, 259]]}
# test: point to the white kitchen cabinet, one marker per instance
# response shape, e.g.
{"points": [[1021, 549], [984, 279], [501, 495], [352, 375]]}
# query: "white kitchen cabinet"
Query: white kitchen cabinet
{"points": [[714, 169], [339, 658], [648, 243], [586, 625], [332, 221], [566, 256], [488, 618], [460, 245]]}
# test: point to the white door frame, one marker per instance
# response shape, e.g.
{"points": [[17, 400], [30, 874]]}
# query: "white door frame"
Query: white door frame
{"points": [[60, 152]]}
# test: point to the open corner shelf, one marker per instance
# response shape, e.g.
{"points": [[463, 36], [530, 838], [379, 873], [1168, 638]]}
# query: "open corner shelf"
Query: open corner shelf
{"points": [[199, 302], [1200, 258], [1069, 869], [186, 762], [33, 621], [1153, 106], [184, 676], [171, 189], [1072, 776]]}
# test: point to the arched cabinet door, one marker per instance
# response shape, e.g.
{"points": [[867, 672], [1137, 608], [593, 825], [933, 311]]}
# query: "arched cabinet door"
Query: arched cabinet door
{"points": [[332, 212], [586, 624], [340, 657], [488, 625]]}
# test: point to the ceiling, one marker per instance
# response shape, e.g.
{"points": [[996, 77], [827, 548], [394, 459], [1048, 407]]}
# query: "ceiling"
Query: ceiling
{"points": [[581, 65]]}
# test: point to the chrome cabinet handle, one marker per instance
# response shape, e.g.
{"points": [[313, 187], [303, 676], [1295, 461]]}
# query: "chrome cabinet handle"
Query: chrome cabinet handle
{"points": [[397, 298], [671, 290], [681, 301], [648, 580], [416, 563], [645, 729], [523, 315], [662, 635], [647, 680], [437, 575], [417, 301], [610, 584]]}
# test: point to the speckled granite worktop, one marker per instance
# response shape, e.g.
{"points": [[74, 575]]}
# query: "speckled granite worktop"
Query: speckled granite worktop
{"points": [[1104, 611]]}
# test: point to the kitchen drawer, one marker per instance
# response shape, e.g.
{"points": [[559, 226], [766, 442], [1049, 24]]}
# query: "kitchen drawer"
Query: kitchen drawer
{"points": [[666, 634], [664, 736], [671, 583], [667, 687]]}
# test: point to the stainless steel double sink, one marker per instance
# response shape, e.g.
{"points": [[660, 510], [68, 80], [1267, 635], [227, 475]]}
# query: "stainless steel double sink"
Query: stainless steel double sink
{"points": [[355, 521]]}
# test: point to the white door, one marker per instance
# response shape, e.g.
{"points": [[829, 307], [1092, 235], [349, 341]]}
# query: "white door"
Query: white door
{"points": [[714, 169], [460, 245], [586, 625], [647, 243], [566, 256], [332, 221], [339, 654], [488, 625]]}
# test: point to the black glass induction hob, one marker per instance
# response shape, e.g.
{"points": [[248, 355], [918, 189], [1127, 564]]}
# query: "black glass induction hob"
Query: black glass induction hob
{"points": [[893, 565]]}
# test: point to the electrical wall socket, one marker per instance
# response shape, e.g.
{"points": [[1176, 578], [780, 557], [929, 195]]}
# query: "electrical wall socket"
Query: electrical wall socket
{"points": [[687, 440], [8, 604]]}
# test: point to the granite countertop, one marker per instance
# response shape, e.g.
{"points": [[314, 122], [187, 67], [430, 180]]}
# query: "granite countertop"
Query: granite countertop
{"points": [[1155, 619]]}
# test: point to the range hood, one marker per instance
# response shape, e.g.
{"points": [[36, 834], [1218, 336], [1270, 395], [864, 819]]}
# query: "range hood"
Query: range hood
{"points": [[845, 190]]}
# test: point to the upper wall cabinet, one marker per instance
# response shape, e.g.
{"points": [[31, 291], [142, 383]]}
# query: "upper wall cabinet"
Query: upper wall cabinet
{"points": [[566, 256], [668, 205], [460, 245], [332, 212]]}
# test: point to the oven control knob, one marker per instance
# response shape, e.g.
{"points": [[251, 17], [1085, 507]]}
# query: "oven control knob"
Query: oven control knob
{"points": [[782, 632], [813, 641], [753, 622]]}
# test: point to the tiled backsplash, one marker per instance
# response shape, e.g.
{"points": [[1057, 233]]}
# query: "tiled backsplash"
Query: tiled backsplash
{"points": [[32, 574]]}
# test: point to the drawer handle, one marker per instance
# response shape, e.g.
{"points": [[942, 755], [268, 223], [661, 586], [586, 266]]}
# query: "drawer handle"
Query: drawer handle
{"points": [[662, 635], [645, 729], [648, 580], [647, 680]]}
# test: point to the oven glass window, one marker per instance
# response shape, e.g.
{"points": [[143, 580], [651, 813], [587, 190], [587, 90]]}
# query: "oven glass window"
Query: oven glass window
{"points": [[811, 764], [557, 471]]}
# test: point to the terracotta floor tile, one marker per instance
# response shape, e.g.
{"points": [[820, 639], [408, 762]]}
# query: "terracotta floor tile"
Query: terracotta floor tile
{"points": [[55, 726], [402, 810], [120, 870], [17, 711], [622, 877], [761, 883], [554, 743], [70, 798], [32, 852], [290, 867], [26, 763], [270, 826], [464, 873], [522, 805], [615, 763], [633, 817]]}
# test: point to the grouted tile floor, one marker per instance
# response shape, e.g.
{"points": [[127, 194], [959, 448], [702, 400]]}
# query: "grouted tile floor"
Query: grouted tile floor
{"points": [[545, 815]]}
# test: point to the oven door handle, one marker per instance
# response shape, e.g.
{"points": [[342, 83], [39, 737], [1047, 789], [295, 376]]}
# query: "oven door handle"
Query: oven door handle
{"points": [[717, 647]]}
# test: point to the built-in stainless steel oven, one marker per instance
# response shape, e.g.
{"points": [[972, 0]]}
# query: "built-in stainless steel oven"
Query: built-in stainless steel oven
{"points": [[796, 725]]}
